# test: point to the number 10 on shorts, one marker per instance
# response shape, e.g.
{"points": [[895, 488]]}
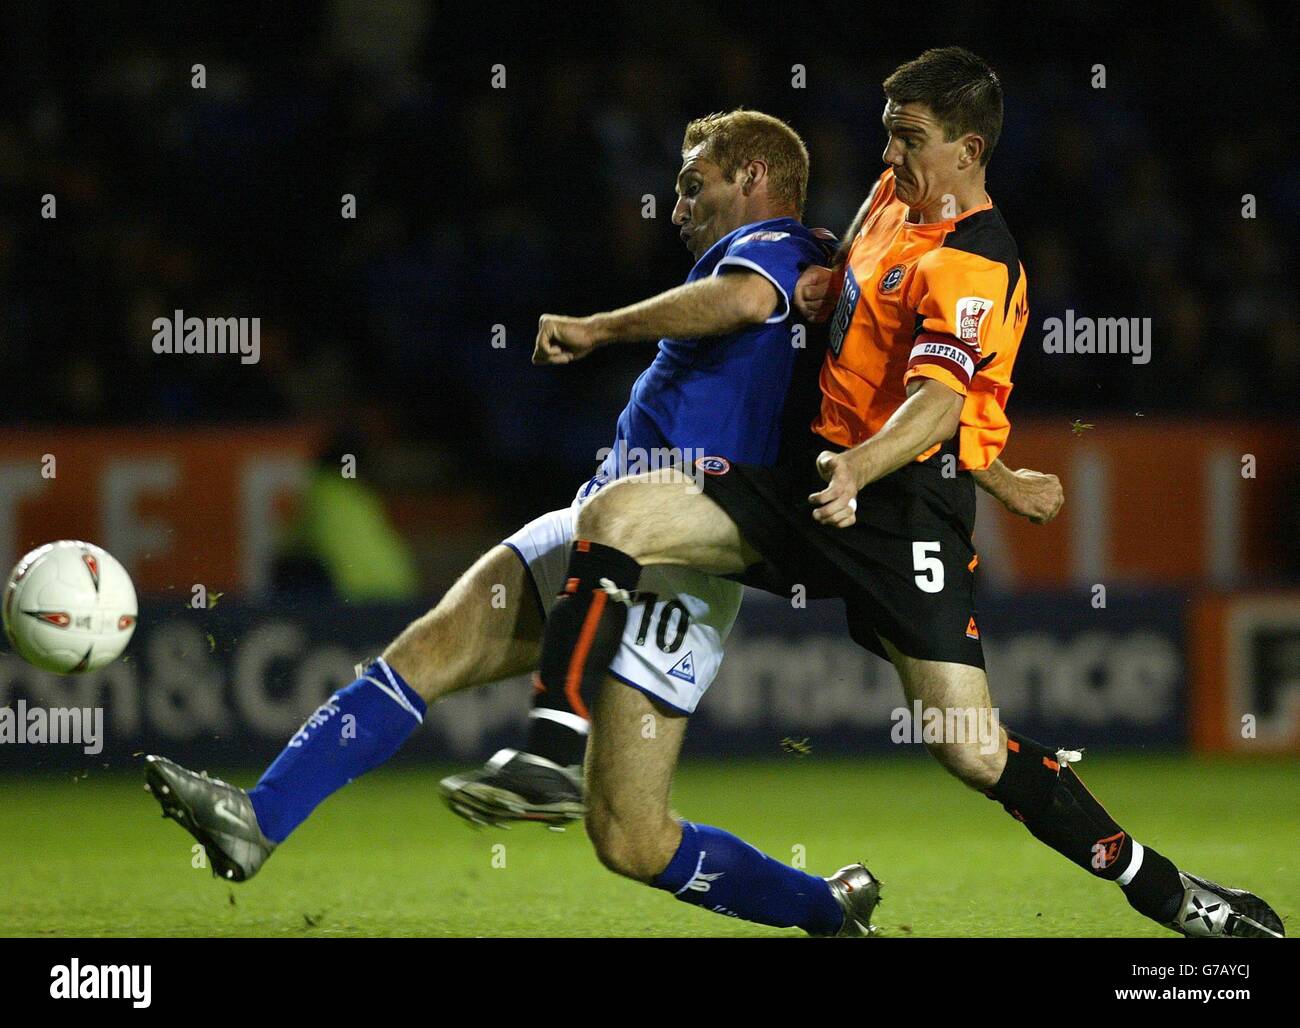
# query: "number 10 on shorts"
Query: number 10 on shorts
{"points": [[674, 620]]}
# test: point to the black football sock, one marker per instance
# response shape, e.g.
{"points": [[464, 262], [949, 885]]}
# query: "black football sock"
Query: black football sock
{"points": [[1040, 790], [557, 735], [582, 635]]}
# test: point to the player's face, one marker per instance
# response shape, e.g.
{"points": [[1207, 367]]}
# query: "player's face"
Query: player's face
{"points": [[708, 205], [925, 164]]}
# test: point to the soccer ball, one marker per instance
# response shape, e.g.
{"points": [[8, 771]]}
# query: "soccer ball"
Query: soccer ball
{"points": [[69, 607]]}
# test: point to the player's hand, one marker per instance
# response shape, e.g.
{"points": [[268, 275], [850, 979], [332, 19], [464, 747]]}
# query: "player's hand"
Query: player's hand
{"points": [[837, 504], [817, 292], [562, 340], [1035, 495]]}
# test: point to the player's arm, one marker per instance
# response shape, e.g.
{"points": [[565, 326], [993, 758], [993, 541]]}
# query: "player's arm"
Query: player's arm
{"points": [[1031, 494], [819, 288], [710, 307], [930, 414], [846, 240]]}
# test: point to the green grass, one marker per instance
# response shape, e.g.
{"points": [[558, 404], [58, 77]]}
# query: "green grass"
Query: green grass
{"points": [[384, 858]]}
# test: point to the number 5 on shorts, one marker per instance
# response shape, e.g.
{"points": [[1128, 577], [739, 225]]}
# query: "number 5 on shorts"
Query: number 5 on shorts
{"points": [[929, 578]]}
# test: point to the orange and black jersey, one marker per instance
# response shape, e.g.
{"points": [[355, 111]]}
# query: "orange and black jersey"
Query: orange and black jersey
{"points": [[944, 300]]}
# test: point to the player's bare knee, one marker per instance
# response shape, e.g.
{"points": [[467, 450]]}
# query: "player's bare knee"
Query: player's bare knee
{"points": [[595, 520], [607, 519], [615, 846], [627, 846], [967, 762]]}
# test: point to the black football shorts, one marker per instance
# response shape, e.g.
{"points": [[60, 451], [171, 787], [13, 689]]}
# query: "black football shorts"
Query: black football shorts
{"points": [[905, 569]]}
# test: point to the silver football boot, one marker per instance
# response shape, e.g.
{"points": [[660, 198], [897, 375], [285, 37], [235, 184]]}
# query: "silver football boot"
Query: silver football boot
{"points": [[1213, 911], [857, 891], [218, 815]]}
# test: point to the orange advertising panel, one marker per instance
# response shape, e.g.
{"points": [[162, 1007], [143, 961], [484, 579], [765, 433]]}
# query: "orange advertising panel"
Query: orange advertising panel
{"points": [[176, 507], [1146, 502]]}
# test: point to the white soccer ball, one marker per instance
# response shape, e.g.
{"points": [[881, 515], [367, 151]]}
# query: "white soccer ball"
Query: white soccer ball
{"points": [[69, 607]]}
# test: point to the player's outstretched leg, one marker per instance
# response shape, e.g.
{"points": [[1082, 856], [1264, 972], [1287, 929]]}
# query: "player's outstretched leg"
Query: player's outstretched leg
{"points": [[467, 639], [662, 519], [540, 785], [1038, 787], [543, 782], [631, 756]]}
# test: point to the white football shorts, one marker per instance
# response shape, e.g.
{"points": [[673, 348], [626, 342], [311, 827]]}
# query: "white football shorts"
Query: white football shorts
{"points": [[674, 639]]}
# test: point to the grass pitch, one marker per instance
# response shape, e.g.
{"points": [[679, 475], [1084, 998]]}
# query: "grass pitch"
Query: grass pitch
{"points": [[92, 857]]}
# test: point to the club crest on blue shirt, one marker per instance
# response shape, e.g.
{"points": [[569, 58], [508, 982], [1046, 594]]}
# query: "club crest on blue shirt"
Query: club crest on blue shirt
{"points": [[713, 465]]}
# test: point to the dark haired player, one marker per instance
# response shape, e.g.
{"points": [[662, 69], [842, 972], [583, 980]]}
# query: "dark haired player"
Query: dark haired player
{"points": [[929, 309]]}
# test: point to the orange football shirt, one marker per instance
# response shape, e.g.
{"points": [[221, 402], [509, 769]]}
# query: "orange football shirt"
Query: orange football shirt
{"points": [[945, 300]]}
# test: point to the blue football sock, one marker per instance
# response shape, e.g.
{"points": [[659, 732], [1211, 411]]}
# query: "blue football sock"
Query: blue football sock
{"points": [[355, 730], [715, 870]]}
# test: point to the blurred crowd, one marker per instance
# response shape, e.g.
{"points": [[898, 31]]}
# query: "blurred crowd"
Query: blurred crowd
{"points": [[479, 207]]}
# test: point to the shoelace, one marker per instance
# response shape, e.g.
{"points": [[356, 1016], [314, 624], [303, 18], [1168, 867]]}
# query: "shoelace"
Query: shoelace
{"points": [[615, 593]]}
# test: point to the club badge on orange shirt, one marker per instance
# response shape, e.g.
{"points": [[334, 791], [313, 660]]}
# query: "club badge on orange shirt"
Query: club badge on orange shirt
{"points": [[891, 278]]}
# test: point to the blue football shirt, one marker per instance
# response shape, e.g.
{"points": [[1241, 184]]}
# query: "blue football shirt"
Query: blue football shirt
{"points": [[723, 396]]}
